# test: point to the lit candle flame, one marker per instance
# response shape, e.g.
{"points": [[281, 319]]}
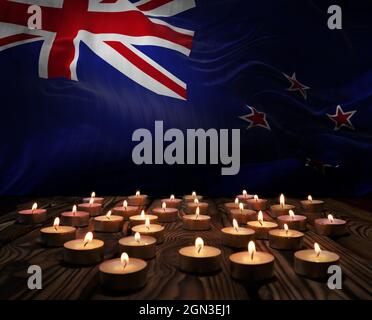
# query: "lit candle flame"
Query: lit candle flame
{"points": [[199, 244], [164, 206], [330, 218], [172, 197], [147, 223], [193, 194], [93, 195], [282, 200], [124, 258], [88, 238], [34, 207], [251, 249], [137, 237], [197, 213], [236, 200], [260, 217], [108, 214], [235, 225], [138, 193], [91, 201], [286, 228], [241, 206], [317, 249], [255, 197], [143, 216], [74, 209], [291, 214], [125, 204], [310, 198], [244, 193], [56, 223]]}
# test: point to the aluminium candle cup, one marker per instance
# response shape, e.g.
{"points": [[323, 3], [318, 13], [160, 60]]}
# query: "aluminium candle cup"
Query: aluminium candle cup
{"points": [[75, 219], [166, 214], [278, 210], [245, 269], [207, 261], [331, 229], [261, 230], [282, 240], [191, 198], [259, 204], [127, 212], [298, 222], [172, 203], [115, 277], [137, 219], [232, 205], [154, 230], [30, 216], [52, 237], [244, 198], [243, 216], [237, 239], [137, 200], [202, 223], [94, 209], [191, 207], [314, 206], [96, 200], [307, 264], [108, 224], [76, 254], [145, 248]]}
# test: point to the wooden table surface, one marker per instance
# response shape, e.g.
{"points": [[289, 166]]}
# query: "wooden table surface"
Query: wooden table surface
{"points": [[20, 248]]}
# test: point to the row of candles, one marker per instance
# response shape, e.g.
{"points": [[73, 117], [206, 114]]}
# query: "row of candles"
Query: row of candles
{"points": [[129, 271]]}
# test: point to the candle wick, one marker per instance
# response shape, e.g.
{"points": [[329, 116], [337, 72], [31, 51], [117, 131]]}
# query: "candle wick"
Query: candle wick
{"points": [[148, 227], [124, 266], [55, 228], [260, 222], [199, 249], [252, 255], [85, 243]]}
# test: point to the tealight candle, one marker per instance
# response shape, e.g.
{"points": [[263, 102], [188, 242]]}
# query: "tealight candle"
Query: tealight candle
{"points": [[32, 216], [138, 199], [314, 263], [330, 226], [108, 223], [75, 218], [282, 208], [141, 219], [172, 202], [242, 215], [126, 211], [236, 237], [93, 196], [56, 235], [233, 205], [94, 209], [252, 266], [191, 197], [244, 196], [196, 222], [153, 230], [191, 206], [123, 274], [256, 203], [166, 214], [199, 258], [85, 251], [261, 227], [294, 221], [285, 239], [310, 205], [137, 246]]}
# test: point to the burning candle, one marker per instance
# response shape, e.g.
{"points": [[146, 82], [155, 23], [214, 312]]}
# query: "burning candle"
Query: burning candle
{"points": [[191, 207], [294, 221], [148, 229], [282, 208], [56, 235], [285, 239], [137, 246], [85, 251], [199, 258], [197, 221], [330, 226], [126, 211], [124, 273], [166, 214], [314, 263], [252, 266], [261, 227], [75, 218], [108, 223], [237, 237], [94, 209], [138, 199], [244, 196], [313, 206], [256, 203], [242, 215], [141, 219], [233, 205], [95, 199], [32, 216], [191, 197], [172, 202]]}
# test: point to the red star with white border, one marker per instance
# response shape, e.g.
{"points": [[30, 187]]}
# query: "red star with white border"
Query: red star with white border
{"points": [[256, 119], [341, 118], [297, 85]]}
